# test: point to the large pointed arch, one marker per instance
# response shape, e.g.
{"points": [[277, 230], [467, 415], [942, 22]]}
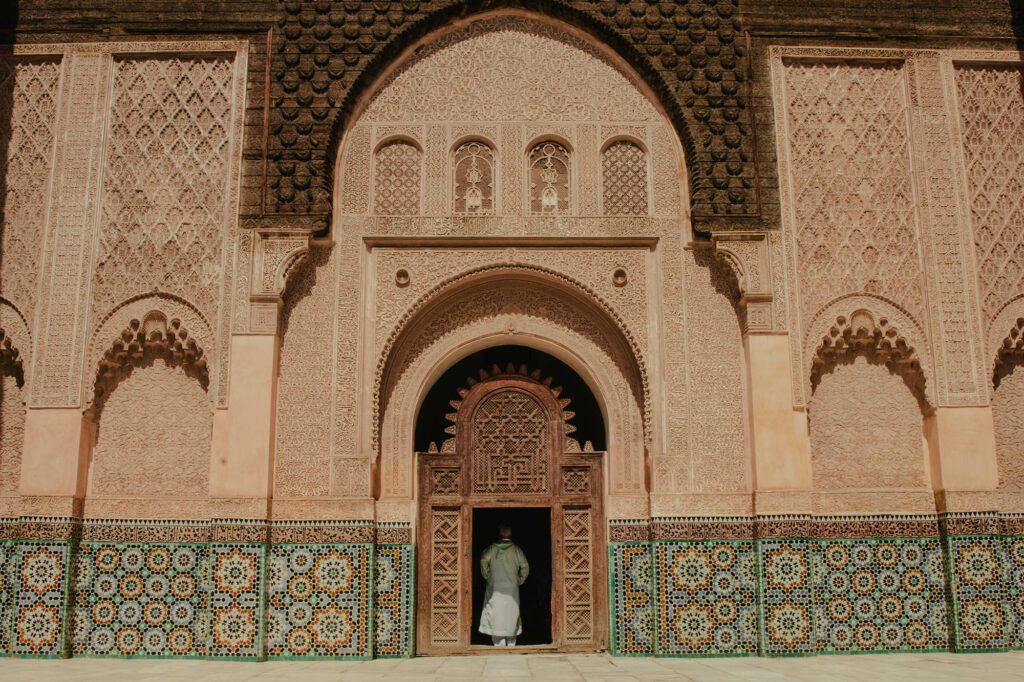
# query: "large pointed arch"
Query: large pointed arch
{"points": [[690, 57], [517, 305]]}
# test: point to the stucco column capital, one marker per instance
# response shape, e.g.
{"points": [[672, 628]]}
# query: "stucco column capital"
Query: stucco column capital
{"points": [[277, 252], [746, 255]]}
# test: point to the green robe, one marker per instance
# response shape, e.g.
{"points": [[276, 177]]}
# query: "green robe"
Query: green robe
{"points": [[504, 567]]}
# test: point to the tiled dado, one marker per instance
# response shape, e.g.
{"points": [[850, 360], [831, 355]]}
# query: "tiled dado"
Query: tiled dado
{"points": [[803, 586], [195, 590]]}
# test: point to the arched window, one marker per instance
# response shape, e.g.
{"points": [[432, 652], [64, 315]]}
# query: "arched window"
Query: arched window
{"points": [[397, 179], [474, 178], [624, 179], [549, 179]]}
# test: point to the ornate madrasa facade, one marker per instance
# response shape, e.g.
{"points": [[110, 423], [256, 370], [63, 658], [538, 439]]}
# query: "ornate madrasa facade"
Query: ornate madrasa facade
{"points": [[720, 303]]}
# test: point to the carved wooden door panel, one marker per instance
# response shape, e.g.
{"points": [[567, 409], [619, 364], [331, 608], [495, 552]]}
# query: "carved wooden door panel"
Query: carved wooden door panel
{"points": [[510, 450]]}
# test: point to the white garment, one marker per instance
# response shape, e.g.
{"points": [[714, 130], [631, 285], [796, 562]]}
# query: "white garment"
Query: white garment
{"points": [[504, 567], [503, 641]]}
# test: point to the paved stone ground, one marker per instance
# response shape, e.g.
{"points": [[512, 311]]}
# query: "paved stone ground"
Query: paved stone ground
{"points": [[546, 667]]}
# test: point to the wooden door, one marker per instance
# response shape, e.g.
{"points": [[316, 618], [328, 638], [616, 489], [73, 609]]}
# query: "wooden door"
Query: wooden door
{"points": [[510, 449]]}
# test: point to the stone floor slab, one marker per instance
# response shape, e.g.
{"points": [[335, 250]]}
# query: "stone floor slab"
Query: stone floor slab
{"points": [[936, 667]]}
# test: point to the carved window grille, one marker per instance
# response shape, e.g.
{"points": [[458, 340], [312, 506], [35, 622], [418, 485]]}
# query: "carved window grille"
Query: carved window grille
{"points": [[510, 444], [549, 179], [474, 178], [397, 179], [624, 179]]}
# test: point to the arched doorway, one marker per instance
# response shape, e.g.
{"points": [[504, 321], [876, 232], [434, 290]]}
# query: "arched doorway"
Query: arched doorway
{"points": [[511, 454]]}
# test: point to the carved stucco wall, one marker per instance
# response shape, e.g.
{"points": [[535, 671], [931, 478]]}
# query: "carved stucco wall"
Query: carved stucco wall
{"points": [[29, 90], [152, 443], [12, 434], [851, 195], [168, 204], [28, 109], [302, 464], [992, 130], [866, 430], [507, 80], [991, 107], [717, 443], [1008, 415]]}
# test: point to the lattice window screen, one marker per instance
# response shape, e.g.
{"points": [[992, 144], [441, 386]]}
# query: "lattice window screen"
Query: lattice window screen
{"points": [[549, 179], [397, 179], [510, 444], [624, 179], [474, 178]]}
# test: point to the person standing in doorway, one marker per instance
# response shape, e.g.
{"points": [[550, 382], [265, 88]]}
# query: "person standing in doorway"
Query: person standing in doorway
{"points": [[505, 568]]}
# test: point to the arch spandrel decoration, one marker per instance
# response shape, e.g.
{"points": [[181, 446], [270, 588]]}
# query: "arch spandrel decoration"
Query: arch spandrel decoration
{"points": [[520, 307], [821, 333], [498, 76], [652, 39]]}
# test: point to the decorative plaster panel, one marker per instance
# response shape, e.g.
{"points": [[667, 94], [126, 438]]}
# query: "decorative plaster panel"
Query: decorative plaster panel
{"points": [[29, 94], [865, 429], [153, 439]]}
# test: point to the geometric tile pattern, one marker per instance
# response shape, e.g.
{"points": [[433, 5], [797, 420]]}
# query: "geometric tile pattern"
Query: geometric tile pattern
{"points": [[632, 599], [41, 573], [318, 601], [786, 616], [7, 592], [707, 598], [880, 595], [982, 612], [236, 598], [393, 601], [140, 600], [1015, 587]]}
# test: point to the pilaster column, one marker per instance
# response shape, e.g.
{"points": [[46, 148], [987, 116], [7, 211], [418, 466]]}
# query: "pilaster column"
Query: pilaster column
{"points": [[57, 438], [242, 467], [778, 432], [960, 432]]}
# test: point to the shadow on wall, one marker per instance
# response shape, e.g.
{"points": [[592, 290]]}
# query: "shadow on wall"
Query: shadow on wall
{"points": [[8, 21], [1017, 22]]}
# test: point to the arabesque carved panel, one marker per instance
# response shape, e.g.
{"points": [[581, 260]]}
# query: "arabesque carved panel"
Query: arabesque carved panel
{"points": [[28, 107], [167, 171], [851, 193], [992, 129]]}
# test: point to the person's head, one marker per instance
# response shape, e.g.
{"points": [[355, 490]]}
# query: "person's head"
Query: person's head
{"points": [[504, 531]]}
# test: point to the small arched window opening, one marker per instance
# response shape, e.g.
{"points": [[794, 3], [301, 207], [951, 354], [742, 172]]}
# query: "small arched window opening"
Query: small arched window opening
{"points": [[474, 178], [397, 178], [624, 177], [549, 175]]}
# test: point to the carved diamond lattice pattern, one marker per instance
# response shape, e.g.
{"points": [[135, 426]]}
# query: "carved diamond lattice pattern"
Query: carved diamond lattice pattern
{"points": [[397, 179], [852, 194], [579, 587], [445, 619], [624, 167], [510, 444], [992, 116], [28, 91], [166, 180]]}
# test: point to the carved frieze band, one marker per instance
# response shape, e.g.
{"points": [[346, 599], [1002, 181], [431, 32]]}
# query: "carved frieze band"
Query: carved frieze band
{"points": [[913, 234]]}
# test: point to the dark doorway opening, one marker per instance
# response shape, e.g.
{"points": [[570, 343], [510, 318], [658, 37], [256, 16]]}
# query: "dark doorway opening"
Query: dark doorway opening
{"points": [[531, 530]]}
